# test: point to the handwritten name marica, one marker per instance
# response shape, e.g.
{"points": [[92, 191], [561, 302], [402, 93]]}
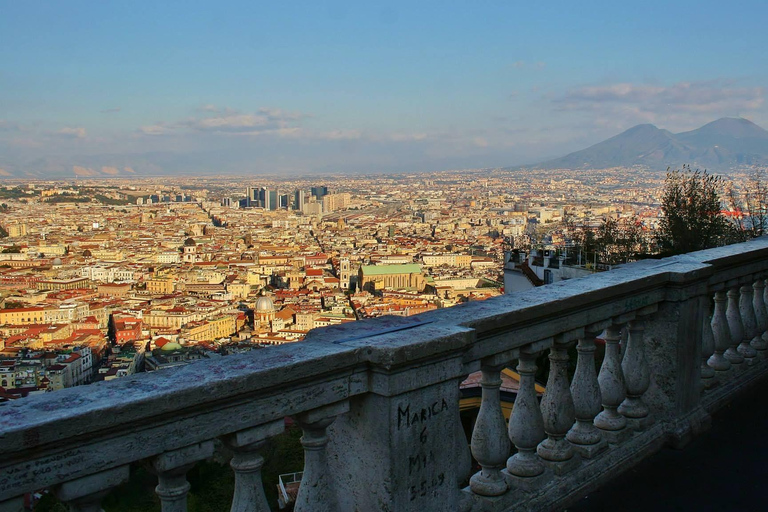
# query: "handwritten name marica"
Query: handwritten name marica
{"points": [[419, 416]]}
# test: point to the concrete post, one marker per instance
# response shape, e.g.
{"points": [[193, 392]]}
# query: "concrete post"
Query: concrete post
{"points": [[749, 318], [558, 411], [396, 449], [740, 354], [171, 468], [761, 316], [612, 389], [637, 376], [708, 378], [526, 425], [317, 491], [722, 337], [490, 444], [247, 463], [584, 436]]}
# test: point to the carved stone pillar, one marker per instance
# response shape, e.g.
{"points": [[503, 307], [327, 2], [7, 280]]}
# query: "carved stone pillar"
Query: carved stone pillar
{"points": [[612, 389], [558, 412], [85, 494], [316, 492], [752, 337], [463, 452], [526, 425], [171, 468], [734, 353], [761, 314], [247, 463], [708, 378], [637, 376], [585, 390], [722, 337], [490, 444]]}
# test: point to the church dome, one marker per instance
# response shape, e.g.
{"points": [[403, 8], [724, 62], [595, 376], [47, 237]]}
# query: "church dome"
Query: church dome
{"points": [[57, 262], [264, 305], [171, 346]]}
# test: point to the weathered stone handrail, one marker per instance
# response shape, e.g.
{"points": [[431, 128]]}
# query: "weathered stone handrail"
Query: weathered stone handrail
{"points": [[378, 399]]}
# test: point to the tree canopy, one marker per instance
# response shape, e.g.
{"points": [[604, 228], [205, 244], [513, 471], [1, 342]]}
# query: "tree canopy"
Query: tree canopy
{"points": [[693, 219]]}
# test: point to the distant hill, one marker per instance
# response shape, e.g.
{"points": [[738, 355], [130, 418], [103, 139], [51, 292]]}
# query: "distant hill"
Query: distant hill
{"points": [[719, 145]]}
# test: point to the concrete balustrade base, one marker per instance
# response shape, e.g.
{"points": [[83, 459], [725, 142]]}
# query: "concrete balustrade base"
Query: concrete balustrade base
{"points": [[560, 491], [590, 451], [710, 382], [617, 436], [640, 424], [527, 484], [719, 397], [563, 467], [684, 430]]}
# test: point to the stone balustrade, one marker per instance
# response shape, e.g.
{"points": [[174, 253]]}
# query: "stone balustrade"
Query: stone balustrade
{"points": [[378, 400]]}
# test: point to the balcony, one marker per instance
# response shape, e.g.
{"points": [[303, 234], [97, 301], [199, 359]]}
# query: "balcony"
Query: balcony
{"points": [[378, 400]]}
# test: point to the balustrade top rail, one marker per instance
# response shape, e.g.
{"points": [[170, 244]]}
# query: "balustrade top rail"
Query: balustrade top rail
{"points": [[80, 430]]}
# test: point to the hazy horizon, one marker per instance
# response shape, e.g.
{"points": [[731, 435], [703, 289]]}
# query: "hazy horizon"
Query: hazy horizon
{"points": [[100, 89]]}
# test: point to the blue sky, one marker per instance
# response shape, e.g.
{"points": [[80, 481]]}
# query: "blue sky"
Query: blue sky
{"points": [[278, 87]]}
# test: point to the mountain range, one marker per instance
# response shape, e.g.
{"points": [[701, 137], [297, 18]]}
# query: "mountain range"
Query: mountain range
{"points": [[720, 145]]}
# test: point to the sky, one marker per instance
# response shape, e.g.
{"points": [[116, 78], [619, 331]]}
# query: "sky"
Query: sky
{"points": [[256, 87]]}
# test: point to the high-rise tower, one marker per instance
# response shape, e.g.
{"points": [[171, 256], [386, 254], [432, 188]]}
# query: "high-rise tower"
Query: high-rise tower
{"points": [[298, 200], [344, 273]]}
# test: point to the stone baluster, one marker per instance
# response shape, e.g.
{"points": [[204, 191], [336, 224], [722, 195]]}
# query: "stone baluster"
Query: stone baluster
{"points": [[761, 310], [171, 468], [316, 492], [85, 494], [637, 376], [526, 425], [463, 452], [490, 444], [586, 439], [752, 338], [734, 353], [247, 463], [708, 378], [719, 361], [612, 389], [558, 412], [765, 297]]}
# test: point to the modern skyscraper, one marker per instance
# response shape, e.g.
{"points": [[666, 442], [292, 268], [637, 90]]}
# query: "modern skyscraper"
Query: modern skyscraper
{"points": [[319, 192], [298, 200]]}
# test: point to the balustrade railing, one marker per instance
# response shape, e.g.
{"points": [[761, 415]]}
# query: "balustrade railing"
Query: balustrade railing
{"points": [[378, 401]]}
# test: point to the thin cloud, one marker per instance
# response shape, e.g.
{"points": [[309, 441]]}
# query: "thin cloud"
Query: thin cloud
{"points": [[110, 110], [680, 104], [71, 133], [155, 129], [228, 121]]}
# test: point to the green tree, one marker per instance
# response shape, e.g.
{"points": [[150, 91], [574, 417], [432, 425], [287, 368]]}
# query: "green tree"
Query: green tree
{"points": [[692, 213], [749, 203]]}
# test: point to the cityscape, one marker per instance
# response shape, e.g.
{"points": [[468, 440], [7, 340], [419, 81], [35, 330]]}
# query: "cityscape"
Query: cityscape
{"points": [[102, 279], [395, 257]]}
